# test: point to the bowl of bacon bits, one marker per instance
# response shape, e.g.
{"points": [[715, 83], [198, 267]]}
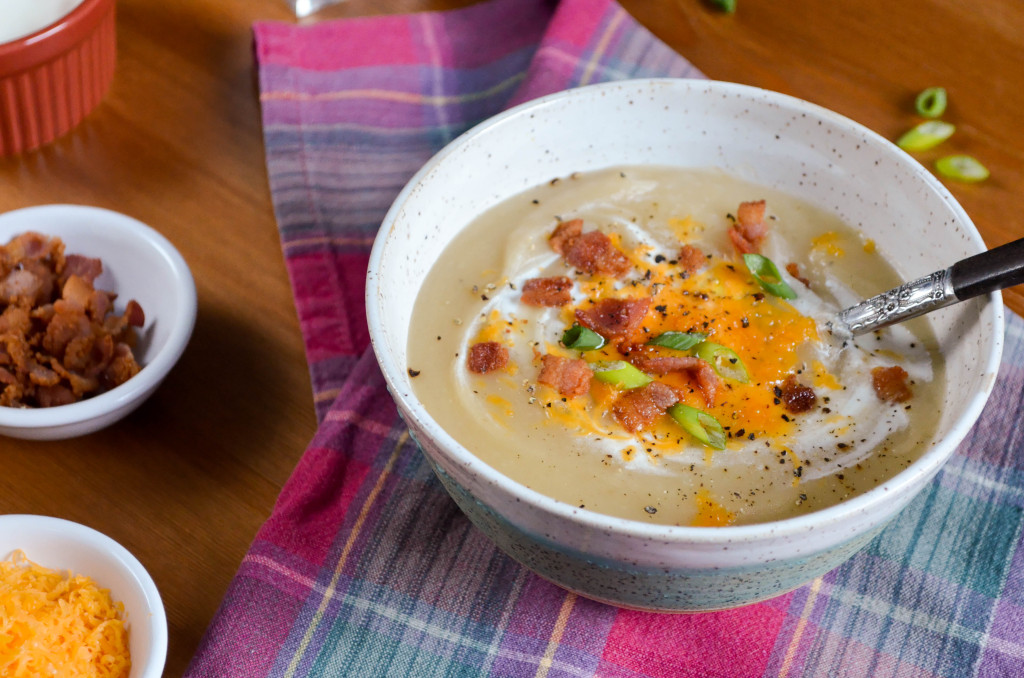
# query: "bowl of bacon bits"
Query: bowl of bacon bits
{"points": [[75, 603], [95, 309]]}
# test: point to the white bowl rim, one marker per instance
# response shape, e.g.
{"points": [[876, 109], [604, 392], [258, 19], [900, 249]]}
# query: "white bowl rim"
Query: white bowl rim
{"points": [[157, 617], [923, 468], [155, 370]]}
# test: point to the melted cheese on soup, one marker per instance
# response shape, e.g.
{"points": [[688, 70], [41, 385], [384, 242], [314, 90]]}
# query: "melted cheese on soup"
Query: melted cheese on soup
{"points": [[675, 264]]}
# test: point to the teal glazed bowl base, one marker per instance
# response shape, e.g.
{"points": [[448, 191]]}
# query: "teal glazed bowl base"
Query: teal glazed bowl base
{"points": [[623, 584]]}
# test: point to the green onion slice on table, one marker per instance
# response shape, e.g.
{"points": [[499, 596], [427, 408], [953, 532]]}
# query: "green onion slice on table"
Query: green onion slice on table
{"points": [[620, 374], [699, 424], [728, 6], [767, 275], [724, 361], [582, 339], [680, 341], [931, 103], [926, 135], [961, 168]]}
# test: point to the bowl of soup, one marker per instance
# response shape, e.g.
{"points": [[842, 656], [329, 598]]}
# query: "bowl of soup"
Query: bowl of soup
{"points": [[608, 319]]}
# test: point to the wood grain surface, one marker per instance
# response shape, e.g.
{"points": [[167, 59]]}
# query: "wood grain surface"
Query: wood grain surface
{"points": [[185, 482]]}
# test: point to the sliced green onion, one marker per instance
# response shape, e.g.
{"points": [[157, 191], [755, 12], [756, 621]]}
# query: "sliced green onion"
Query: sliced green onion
{"points": [[961, 168], [931, 103], [728, 6], [582, 339], [680, 341], [699, 424], [724, 361], [926, 135], [767, 274], [620, 374]]}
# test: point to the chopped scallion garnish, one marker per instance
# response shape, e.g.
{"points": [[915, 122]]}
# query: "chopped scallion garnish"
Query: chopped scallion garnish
{"points": [[961, 168], [926, 135], [724, 361], [582, 339], [680, 341], [620, 374], [699, 424], [767, 275], [728, 6], [931, 103]]}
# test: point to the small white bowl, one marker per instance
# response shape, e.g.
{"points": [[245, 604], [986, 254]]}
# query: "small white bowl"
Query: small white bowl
{"points": [[66, 546], [138, 263]]}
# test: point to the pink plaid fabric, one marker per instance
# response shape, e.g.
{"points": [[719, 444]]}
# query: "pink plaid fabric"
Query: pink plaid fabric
{"points": [[366, 567]]}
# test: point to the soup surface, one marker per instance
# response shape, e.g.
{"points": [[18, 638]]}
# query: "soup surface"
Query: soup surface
{"points": [[718, 396]]}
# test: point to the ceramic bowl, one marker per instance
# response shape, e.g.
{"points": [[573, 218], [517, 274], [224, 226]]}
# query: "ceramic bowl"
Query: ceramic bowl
{"points": [[756, 135], [53, 77], [138, 263], [63, 545]]}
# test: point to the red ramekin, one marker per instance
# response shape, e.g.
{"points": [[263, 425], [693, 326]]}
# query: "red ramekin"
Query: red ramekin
{"points": [[51, 79]]}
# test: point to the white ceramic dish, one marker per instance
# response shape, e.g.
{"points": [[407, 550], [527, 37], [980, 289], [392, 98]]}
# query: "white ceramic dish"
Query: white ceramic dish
{"points": [[67, 546], [760, 136], [138, 263]]}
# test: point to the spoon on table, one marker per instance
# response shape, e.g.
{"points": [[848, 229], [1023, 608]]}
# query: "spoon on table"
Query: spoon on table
{"points": [[993, 270]]}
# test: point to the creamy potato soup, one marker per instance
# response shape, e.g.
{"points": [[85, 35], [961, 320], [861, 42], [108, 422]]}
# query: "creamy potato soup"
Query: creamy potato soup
{"points": [[651, 343]]}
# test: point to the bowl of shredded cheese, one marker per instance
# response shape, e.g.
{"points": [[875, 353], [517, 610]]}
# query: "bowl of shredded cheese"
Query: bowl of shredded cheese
{"points": [[75, 603]]}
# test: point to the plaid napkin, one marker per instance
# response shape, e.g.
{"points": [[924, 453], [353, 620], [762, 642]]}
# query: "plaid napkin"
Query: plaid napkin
{"points": [[366, 568]]}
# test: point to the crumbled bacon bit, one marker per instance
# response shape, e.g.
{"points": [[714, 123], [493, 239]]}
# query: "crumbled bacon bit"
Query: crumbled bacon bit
{"points": [[691, 259], [614, 318], [707, 379], [795, 396], [794, 271], [565, 234], [554, 291], [487, 356], [59, 340], [709, 383], [638, 408], [750, 229], [591, 252], [84, 267], [51, 396], [891, 384], [133, 314], [570, 377], [750, 217]]}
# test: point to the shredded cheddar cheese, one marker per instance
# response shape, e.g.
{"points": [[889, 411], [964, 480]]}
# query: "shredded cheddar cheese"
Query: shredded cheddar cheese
{"points": [[710, 513], [831, 243], [686, 229], [57, 624]]}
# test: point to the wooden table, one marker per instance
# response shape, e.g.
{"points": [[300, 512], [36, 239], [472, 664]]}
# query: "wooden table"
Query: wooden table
{"points": [[187, 480]]}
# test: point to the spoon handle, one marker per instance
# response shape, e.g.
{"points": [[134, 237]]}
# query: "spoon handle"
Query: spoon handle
{"points": [[993, 270], [907, 301]]}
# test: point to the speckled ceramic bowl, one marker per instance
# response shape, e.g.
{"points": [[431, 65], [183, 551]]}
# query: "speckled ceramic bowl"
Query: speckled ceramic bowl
{"points": [[760, 136]]}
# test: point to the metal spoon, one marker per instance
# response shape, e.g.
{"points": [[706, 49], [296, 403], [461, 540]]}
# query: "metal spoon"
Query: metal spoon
{"points": [[995, 269]]}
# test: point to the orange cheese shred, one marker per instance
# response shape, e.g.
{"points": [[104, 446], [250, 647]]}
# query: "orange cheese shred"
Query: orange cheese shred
{"points": [[58, 624]]}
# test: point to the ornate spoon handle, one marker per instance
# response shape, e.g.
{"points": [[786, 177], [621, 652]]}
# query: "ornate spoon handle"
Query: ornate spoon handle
{"points": [[993, 270]]}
